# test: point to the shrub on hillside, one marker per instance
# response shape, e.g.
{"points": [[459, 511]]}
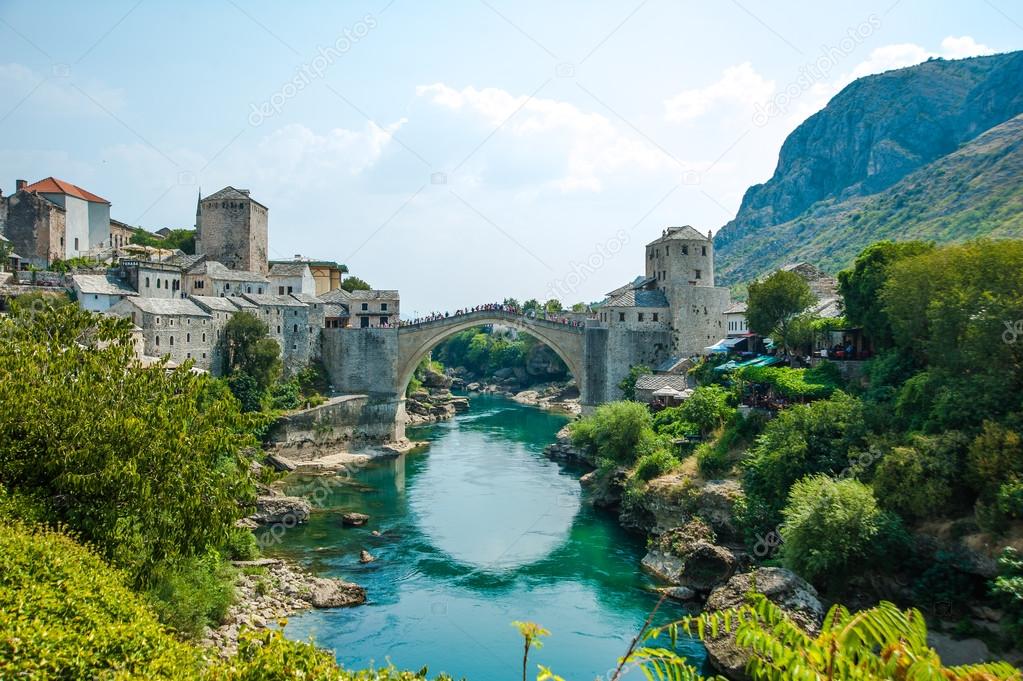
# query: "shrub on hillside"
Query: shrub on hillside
{"points": [[192, 593], [145, 464], [64, 613], [615, 431], [919, 481], [707, 408], [803, 440], [828, 526], [655, 464]]}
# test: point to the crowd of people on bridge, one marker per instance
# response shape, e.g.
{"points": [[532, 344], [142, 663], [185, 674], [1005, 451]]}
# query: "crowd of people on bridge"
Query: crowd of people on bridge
{"points": [[495, 307]]}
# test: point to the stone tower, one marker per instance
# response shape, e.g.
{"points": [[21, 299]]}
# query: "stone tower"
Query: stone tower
{"points": [[681, 263], [231, 228]]}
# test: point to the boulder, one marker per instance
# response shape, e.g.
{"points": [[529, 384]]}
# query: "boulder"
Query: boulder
{"points": [[459, 403], [323, 592], [353, 519], [784, 588], [472, 387], [604, 491], [687, 556], [274, 509], [503, 374], [679, 593], [435, 379], [281, 463], [366, 557]]}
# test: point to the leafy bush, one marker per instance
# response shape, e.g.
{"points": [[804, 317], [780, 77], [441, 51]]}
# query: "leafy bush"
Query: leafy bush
{"points": [[1008, 588], [707, 408], [64, 613], [919, 481], [147, 464], [284, 396], [241, 544], [793, 384], [655, 464], [829, 526], [803, 440], [192, 593], [615, 431]]}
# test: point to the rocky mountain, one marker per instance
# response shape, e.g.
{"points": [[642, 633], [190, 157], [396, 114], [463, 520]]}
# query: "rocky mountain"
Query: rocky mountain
{"points": [[926, 152]]}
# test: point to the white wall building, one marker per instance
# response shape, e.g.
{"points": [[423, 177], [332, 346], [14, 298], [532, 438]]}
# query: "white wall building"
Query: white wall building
{"points": [[99, 292], [287, 278], [87, 221]]}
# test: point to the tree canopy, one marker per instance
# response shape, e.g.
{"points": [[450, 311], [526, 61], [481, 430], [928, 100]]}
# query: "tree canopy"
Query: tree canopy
{"points": [[774, 301], [355, 284]]}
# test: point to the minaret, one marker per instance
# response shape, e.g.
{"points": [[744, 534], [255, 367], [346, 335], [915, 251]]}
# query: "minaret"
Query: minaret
{"points": [[198, 222]]}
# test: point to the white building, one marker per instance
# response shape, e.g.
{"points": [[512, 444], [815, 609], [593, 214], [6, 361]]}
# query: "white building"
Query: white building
{"points": [[211, 278], [87, 216], [100, 292], [735, 319], [287, 278]]}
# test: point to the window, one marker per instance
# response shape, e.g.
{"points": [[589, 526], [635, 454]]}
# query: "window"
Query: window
{"points": [[290, 289], [383, 321], [667, 250], [204, 355], [158, 283], [640, 316], [147, 282], [95, 296], [76, 243], [227, 286], [278, 328], [621, 316], [280, 290], [655, 316], [188, 338], [703, 250], [383, 307], [364, 322], [204, 340], [157, 341], [172, 341], [365, 306], [699, 274], [171, 321], [295, 329], [294, 346], [248, 289], [685, 250]]}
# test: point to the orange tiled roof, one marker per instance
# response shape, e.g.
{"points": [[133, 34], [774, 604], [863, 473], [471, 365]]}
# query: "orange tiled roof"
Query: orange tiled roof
{"points": [[52, 185]]}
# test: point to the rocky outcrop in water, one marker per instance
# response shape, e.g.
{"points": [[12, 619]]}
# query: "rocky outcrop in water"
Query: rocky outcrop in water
{"points": [[269, 589], [276, 508], [784, 588], [435, 404]]}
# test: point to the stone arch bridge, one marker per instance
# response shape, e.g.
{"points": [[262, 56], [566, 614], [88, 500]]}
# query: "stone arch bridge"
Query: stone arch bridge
{"points": [[379, 362]]}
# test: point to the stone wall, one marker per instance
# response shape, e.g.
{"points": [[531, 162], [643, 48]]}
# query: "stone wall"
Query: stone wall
{"points": [[35, 228], [340, 420], [698, 317], [362, 360]]}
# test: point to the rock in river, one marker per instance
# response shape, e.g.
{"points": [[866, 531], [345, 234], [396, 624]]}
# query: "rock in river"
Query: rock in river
{"points": [[324, 592], [366, 557], [273, 509], [354, 519]]}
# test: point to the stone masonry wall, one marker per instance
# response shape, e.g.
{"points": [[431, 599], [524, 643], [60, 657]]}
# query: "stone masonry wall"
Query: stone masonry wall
{"points": [[235, 234]]}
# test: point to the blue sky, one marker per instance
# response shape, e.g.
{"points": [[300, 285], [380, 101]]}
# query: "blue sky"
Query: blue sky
{"points": [[459, 151]]}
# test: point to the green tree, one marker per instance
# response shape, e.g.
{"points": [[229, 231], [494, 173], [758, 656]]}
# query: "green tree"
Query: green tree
{"points": [[580, 307], [628, 384], [183, 239], [532, 305], [619, 431], [775, 301], [553, 306], [829, 526], [707, 408], [511, 302], [146, 464], [803, 440], [355, 284], [250, 350], [861, 286]]}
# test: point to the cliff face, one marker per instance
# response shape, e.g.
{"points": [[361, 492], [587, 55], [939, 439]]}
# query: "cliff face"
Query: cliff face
{"points": [[873, 134]]}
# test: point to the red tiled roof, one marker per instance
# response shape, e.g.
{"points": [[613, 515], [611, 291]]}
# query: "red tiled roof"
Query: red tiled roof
{"points": [[52, 185]]}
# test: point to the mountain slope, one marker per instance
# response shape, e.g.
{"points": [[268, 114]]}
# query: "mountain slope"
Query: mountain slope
{"points": [[862, 155]]}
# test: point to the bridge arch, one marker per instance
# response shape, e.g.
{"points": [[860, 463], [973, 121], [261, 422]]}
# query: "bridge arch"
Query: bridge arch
{"points": [[415, 340]]}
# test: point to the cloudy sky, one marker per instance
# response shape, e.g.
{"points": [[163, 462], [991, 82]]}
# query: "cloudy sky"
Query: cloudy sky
{"points": [[459, 151]]}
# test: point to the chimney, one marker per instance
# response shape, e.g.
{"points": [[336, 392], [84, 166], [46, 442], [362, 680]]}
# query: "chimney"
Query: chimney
{"points": [[244, 191], [298, 256], [19, 185]]}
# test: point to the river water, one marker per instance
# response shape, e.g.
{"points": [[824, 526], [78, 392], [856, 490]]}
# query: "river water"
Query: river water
{"points": [[476, 532]]}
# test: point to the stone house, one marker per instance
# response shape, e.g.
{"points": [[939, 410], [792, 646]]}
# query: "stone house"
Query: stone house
{"points": [[374, 308], [221, 310], [290, 324], [336, 309], [648, 384], [100, 292], [287, 278], [327, 274], [87, 216], [35, 226], [211, 278], [153, 279], [735, 319], [121, 234], [638, 305], [231, 228], [177, 328]]}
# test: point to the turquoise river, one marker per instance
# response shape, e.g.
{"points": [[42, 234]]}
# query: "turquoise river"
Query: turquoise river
{"points": [[477, 531]]}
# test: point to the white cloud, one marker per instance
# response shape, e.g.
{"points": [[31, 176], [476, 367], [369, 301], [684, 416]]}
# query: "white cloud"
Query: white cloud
{"points": [[593, 147], [59, 91], [739, 85], [962, 47]]}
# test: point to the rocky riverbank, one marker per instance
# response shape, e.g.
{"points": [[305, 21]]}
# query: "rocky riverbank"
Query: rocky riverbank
{"points": [[269, 589]]}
